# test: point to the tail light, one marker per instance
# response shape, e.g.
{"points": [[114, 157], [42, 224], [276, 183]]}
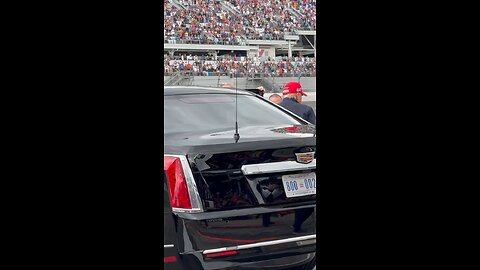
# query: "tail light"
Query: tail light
{"points": [[291, 129], [177, 184], [169, 259], [181, 186], [221, 254]]}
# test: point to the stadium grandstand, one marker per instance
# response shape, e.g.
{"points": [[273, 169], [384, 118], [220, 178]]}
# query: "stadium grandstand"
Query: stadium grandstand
{"points": [[263, 42]]}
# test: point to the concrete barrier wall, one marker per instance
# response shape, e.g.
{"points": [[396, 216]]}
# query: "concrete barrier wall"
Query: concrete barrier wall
{"points": [[308, 83], [311, 96]]}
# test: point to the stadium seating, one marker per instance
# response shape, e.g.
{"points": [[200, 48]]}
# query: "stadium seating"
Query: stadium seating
{"points": [[233, 22], [236, 22], [240, 66]]}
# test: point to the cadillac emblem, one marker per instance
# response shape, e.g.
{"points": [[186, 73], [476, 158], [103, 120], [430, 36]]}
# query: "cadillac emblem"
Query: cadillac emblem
{"points": [[305, 158]]}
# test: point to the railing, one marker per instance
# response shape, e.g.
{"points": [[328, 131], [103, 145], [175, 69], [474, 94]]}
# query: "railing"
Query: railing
{"points": [[230, 7], [203, 42], [245, 39], [176, 77], [185, 74], [176, 4], [222, 79], [229, 57]]}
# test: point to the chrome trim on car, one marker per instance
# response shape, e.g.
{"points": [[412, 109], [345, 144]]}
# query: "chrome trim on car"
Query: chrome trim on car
{"points": [[275, 167], [168, 246], [261, 244], [183, 210], [191, 185]]}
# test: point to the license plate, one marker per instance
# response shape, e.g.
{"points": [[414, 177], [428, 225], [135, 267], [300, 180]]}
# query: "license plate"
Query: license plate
{"points": [[296, 185]]}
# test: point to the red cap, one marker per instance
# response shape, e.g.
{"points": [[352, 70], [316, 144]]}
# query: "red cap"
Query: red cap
{"points": [[292, 88]]}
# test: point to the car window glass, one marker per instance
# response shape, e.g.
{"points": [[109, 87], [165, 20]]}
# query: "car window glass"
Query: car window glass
{"points": [[217, 112]]}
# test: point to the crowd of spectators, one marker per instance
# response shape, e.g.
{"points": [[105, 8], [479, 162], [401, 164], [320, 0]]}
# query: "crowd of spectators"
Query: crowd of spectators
{"points": [[206, 22], [201, 22], [271, 19], [240, 66]]}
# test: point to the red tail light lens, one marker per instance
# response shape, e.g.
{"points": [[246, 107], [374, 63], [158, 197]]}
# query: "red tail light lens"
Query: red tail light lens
{"points": [[177, 184], [169, 259], [291, 129], [222, 254]]}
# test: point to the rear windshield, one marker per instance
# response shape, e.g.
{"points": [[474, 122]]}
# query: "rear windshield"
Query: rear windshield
{"points": [[184, 113]]}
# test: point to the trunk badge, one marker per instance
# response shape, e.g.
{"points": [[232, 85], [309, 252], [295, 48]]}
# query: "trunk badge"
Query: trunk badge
{"points": [[305, 158]]}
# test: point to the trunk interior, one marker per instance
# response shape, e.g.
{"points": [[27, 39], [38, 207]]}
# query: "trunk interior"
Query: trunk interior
{"points": [[223, 186]]}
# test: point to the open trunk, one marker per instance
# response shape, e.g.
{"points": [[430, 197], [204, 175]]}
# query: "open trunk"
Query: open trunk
{"points": [[244, 205], [223, 185]]}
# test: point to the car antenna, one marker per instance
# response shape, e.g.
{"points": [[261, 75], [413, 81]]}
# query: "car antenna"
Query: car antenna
{"points": [[236, 136]]}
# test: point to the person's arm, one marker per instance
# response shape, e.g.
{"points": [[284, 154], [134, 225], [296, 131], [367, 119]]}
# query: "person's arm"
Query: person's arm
{"points": [[311, 117]]}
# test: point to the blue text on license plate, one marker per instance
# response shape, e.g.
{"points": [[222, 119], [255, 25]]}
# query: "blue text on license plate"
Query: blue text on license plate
{"points": [[303, 184]]}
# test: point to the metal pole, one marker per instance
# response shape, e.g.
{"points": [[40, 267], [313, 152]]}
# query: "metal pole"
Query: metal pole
{"points": [[273, 86], [289, 49]]}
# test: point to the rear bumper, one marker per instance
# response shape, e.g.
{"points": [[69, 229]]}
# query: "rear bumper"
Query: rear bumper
{"points": [[301, 240], [279, 263], [274, 260], [246, 240], [245, 230]]}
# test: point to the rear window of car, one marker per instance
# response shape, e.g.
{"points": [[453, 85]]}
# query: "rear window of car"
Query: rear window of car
{"points": [[205, 112]]}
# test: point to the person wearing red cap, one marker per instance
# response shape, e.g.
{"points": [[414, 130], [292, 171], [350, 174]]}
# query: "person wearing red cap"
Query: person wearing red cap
{"points": [[292, 101]]}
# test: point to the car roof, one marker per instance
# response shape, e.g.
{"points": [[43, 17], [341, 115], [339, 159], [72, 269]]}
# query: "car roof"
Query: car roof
{"points": [[184, 90]]}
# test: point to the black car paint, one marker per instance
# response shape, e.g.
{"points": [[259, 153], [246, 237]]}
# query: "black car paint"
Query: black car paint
{"points": [[191, 233]]}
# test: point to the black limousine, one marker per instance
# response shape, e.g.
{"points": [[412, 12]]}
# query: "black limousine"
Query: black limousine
{"points": [[239, 182]]}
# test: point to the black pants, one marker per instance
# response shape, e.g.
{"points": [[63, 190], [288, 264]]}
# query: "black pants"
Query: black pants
{"points": [[300, 216]]}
